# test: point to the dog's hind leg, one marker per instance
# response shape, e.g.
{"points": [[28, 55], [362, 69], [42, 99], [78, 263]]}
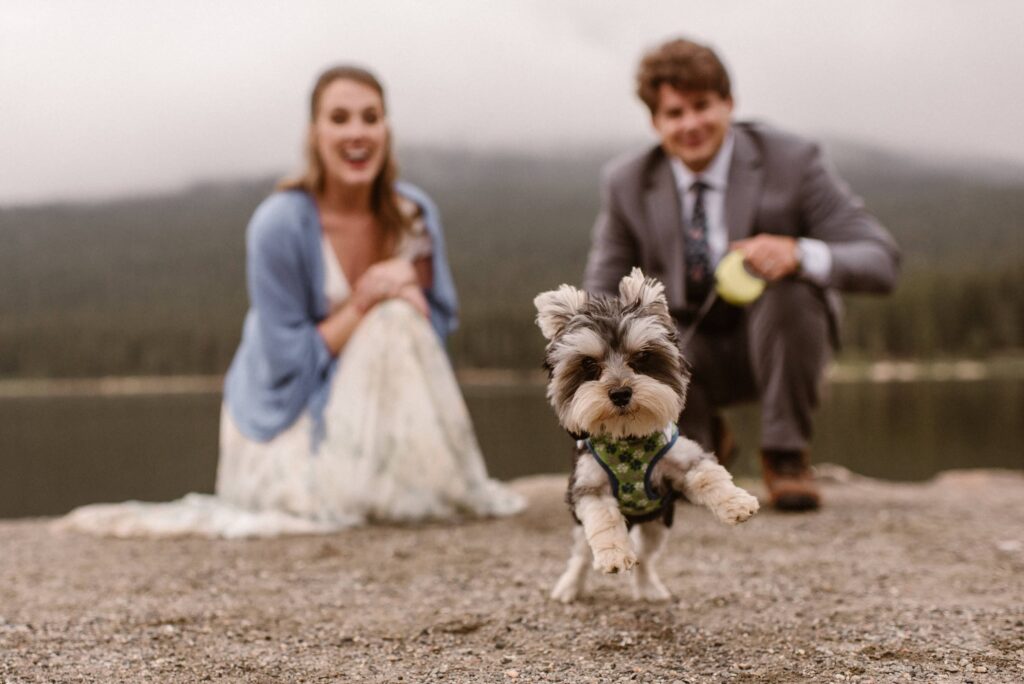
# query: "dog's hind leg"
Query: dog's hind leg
{"points": [[649, 538], [570, 584]]}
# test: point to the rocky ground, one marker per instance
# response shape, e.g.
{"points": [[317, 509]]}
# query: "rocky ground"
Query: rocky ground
{"points": [[889, 582]]}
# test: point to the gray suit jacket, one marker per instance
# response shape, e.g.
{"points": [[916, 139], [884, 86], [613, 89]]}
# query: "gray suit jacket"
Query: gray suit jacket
{"points": [[778, 183]]}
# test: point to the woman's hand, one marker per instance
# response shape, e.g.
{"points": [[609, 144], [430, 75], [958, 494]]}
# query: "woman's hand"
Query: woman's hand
{"points": [[383, 280], [773, 257], [394, 278], [413, 294]]}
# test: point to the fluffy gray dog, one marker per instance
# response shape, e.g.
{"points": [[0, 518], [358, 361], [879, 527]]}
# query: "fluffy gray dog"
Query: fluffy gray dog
{"points": [[618, 383]]}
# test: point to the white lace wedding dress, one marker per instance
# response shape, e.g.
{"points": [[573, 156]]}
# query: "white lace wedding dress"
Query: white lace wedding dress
{"points": [[399, 446]]}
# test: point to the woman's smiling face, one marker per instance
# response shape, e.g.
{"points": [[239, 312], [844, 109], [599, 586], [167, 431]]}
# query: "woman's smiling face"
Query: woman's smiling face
{"points": [[351, 133]]}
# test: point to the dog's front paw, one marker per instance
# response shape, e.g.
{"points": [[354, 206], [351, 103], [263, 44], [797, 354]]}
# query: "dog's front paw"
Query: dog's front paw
{"points": [[736, 508], [614, 559]]}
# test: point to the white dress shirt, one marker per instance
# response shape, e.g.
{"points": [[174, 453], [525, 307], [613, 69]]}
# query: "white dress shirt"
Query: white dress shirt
{"points": [[815, 257]]}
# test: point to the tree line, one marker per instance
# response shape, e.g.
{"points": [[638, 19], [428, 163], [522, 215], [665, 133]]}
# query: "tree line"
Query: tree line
{"points": [[155, 285]]}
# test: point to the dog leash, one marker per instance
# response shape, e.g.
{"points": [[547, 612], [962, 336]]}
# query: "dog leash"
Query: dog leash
{"points": [[736, 286], [705, 307]]}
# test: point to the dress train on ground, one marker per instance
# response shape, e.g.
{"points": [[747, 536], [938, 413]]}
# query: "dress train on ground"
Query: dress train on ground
{"points": [[397, 446]]}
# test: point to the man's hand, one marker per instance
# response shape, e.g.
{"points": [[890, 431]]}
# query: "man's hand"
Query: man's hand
{"points": [[773, 257]]}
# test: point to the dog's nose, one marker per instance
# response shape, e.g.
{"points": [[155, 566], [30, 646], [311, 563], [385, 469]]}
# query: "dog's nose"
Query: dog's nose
{"points": [[621, 396]]}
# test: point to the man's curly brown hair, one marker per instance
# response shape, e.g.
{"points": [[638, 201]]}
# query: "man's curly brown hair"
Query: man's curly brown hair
{"points": [[684, 65]]}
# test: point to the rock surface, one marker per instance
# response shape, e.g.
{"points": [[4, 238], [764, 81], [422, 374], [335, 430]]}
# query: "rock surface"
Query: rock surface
{"points": [[889, 582]]}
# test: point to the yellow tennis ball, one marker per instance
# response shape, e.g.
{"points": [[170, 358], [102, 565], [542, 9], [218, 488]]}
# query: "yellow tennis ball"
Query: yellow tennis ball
{"points": [[734, 283]]}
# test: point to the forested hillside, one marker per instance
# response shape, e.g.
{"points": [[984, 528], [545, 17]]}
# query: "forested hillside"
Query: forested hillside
{"points": [[156, 284]]}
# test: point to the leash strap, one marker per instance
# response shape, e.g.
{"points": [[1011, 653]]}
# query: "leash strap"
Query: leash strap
{"points": [[709, 301]]}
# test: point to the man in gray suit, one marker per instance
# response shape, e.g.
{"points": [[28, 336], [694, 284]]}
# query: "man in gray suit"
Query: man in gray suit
{"points": [[711, 186]]}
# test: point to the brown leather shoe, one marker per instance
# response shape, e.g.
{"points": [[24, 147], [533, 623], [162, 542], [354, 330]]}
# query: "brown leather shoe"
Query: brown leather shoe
{"points": [[790, 483], [726, 448]]}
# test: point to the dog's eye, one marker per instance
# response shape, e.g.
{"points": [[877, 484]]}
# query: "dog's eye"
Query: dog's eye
{"points": [[640, 360], [591, 369]]}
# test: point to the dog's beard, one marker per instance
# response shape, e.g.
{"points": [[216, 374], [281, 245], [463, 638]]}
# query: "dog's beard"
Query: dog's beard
{"points": [[652, 406]]}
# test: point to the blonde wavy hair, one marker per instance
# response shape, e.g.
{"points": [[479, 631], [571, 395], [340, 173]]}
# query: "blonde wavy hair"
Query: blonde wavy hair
{"points": [[391, 210]]}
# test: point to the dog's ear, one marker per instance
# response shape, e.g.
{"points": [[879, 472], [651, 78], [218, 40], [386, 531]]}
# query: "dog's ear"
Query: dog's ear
{"points": [[556, 307], [644, 292]]}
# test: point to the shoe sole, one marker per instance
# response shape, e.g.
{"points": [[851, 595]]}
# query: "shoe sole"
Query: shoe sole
{"points": [[796, 503]]}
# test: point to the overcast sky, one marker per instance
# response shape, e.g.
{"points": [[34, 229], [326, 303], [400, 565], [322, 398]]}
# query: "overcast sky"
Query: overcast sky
{"points": [[107, 97]]}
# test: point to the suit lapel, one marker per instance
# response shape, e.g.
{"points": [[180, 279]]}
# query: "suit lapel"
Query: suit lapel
{"points": [[664, 216], [746, 177]]}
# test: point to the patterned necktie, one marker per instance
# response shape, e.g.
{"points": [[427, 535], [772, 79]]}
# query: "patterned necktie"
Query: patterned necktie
{"points": [[695, 243]]}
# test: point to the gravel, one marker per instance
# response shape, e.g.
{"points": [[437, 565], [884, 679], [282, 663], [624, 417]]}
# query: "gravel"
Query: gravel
{"points": [[890, 582]]}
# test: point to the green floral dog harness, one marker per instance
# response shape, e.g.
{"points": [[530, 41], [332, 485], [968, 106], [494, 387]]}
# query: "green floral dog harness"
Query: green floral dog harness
{"points": [[629, 463]]}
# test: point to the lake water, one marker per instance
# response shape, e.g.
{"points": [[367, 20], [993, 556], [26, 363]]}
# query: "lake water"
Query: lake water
{"points": [[57, 452]]}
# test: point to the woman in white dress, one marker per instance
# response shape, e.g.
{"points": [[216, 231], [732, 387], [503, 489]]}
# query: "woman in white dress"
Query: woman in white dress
{"points": [[340, 406]]}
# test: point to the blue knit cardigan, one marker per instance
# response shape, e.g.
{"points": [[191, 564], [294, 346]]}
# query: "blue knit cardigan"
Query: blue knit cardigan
{"points": [[282, 365]]}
